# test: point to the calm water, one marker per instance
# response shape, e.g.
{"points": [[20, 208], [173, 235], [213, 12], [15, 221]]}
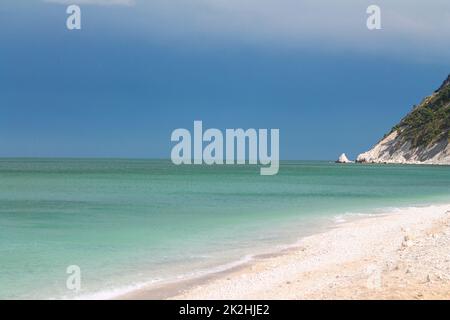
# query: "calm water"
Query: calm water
{"points": [[129, 222]]}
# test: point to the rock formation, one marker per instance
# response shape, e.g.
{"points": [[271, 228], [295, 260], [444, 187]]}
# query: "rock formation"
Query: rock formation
{"points": [[343, 159]]}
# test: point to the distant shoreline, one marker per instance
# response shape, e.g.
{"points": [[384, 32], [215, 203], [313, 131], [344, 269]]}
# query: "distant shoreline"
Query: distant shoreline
{"points": [[402, 163]]}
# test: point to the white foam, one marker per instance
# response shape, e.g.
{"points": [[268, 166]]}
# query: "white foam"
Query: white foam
{"points": [[344, 217], [121, 291], [113, 292]]}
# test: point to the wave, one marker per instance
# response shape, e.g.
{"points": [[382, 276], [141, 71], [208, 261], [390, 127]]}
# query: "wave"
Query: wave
{"points": [[124, 290]]}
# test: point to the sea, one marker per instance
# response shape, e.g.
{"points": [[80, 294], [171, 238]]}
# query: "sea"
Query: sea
{"points": [[134, 223]]}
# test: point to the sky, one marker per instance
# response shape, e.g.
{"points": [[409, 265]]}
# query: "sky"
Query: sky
{"points": [[139, 69]]}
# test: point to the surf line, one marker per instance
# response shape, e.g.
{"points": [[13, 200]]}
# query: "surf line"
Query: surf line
{"points": [[208, 147]]}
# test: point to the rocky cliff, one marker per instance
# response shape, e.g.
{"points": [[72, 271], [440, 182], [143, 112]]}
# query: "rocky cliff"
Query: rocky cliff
{"points": [[421, 137]]}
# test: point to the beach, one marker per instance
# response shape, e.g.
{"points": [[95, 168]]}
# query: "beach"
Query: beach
{"points": [[402, 255]]}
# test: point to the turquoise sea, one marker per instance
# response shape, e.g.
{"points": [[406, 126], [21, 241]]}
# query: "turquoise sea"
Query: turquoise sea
{"points": [[128, 223]]}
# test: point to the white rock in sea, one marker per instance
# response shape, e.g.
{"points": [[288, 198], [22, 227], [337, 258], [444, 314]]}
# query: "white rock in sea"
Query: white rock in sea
{"points": [[343, 159]]}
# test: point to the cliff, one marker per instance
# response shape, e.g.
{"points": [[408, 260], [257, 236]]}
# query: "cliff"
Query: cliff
{"points": [[422, 137]]}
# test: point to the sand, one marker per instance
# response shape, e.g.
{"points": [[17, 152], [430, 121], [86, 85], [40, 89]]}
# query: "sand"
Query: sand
{"points": [[403, 255]]}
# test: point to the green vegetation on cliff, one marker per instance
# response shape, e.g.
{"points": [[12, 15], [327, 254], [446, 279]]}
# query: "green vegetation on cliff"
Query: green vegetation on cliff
{"points": [[428, 122]]}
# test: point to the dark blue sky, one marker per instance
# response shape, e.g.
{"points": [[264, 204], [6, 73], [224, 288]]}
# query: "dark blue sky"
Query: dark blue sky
{"points": [[119, 86]]}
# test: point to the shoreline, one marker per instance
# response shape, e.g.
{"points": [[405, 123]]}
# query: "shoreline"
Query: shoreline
{"points": [[375, 257], [392, 162]]}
